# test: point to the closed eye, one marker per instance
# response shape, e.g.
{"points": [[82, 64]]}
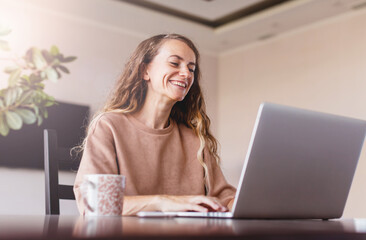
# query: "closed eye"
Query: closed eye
{"points": [[175, 64]]}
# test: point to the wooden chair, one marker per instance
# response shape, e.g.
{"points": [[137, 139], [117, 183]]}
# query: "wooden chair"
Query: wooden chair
{"points": [[55, 157]]}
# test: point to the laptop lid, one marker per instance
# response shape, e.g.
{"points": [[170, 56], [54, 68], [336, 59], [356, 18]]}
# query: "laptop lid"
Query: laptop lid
{"points": [[299, 164]]}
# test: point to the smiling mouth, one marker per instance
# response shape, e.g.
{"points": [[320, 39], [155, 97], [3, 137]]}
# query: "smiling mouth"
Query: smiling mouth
{"points": [[177, 83]]}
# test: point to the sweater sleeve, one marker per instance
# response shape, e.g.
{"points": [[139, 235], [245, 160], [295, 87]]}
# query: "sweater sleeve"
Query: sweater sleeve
{"points": [[216, 182], [99, 156]]}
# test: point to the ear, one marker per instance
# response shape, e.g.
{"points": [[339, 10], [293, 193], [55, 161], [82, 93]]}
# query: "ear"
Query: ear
{"points": [[146, 74]]}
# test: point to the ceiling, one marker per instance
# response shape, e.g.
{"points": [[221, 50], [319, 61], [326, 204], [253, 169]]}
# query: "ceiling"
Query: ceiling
{"points": [[234, 23], [212, 13]]}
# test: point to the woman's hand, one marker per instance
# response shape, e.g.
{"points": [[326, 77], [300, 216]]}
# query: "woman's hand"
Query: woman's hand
{"points": [[169, 203]]}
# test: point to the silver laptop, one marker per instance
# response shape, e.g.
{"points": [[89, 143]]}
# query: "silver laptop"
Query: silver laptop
{"points": [[299, 165]]}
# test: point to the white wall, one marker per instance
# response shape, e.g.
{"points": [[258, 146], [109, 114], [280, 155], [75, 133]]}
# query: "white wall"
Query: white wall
{"points": [[102, 50], [321, 67]]}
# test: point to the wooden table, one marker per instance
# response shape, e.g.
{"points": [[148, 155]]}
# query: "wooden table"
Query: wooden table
{"points": [[71, 227]]}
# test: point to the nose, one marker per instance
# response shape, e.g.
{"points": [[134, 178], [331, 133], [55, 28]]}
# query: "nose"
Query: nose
{"points": [[184, 71]]}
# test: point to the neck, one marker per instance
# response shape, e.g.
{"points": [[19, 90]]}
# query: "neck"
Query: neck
{"points": [[155, 113]]}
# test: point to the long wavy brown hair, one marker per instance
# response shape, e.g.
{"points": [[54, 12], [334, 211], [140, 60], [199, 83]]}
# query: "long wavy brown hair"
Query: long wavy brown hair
{"points": [[129, 94]]}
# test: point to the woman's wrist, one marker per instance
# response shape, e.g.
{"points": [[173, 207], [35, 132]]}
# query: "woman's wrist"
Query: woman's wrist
{"points": [[134, 204], [154, 203]]}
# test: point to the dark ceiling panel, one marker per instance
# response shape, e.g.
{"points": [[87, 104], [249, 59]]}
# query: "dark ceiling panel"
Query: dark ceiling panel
{"points": [[240, 13]]}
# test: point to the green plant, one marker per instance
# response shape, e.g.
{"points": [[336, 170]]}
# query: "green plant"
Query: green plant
{"points": [[24, 101]]}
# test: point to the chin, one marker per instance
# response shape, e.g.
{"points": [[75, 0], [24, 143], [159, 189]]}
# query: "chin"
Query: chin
{"points": [[178, 98], [181, 98]]}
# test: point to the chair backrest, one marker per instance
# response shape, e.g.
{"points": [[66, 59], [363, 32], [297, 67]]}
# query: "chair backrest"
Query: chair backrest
{"points": [[55, 156]]}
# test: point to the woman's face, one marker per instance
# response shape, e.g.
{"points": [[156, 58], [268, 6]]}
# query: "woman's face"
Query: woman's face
{"points": [[170, 74]]}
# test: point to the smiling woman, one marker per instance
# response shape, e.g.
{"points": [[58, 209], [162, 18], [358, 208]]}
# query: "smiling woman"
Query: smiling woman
{"points": [[155, 131]]}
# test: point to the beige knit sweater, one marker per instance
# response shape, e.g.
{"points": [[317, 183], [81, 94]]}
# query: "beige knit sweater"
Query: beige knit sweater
{"points": [[154, 161]]}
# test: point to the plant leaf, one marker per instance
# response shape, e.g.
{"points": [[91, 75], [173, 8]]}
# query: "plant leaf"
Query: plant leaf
{"points": [[68, 59], [36, 110], [4, 45], [35, 78], [14, 120], [50, 103], [11, 69], [39, 120], [54, 50], [43, 75], [45, 113], [58, 73], [25, 77], [14, 77], [47, 56], [27, 115], [11, 95], [26, 97], [28, 55], [38, 59], [4, 128], [63, 68], [51, 74]]}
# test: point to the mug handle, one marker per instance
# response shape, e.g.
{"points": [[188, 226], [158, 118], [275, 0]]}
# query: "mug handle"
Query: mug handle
{"points": [[83, 192]]}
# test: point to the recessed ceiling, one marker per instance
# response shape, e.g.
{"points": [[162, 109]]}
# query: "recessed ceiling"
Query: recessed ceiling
{"points": [[212, 13]]}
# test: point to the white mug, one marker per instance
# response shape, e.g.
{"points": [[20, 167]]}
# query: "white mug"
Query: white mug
{"points": [[103, 194]]}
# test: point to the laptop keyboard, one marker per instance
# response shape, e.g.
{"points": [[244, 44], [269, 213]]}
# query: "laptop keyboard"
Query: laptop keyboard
{"points": [[207, 214], [186, 214]]}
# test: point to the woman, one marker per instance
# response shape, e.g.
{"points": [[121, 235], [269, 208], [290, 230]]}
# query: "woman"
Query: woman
{"points": [[155, 131]]}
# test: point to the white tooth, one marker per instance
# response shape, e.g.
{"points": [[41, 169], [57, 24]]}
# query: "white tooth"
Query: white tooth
{"points": [[179, 84]]}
